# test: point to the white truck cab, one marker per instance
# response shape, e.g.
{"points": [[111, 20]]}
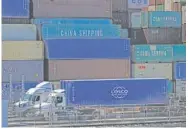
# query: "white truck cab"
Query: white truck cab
{"points": [[33, 96]]}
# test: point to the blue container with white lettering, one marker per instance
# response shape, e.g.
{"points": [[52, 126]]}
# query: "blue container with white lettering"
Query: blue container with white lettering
{"points": [[161, 19], [39, 21], [152, 53], [179, 52], [59, 31]]}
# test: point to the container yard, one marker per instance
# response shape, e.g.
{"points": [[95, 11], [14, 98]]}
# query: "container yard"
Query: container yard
{"points": [[93, 63]]}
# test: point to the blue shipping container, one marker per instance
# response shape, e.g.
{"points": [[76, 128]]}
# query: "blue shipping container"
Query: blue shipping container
{"points": [[19, 32], [152, 53], [59, 31], [180, 70], [15, 8], [70, 21], [120, 91], [163, 19], [137, 4], [87, 48], [31, 70], [179, 52], [4, 113], [16, 89]]}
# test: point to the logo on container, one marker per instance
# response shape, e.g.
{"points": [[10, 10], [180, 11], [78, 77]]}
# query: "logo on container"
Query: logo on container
{"points": [[119, 92]]}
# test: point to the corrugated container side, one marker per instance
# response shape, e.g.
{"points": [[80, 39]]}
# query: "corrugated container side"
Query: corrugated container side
{"points": [[22, 50], [72, 8], [156, 2], [179, 52], [121, 18], [59, 31], [88, 49], [119, 5], [88, 69], [183, 14], [149, 91], [145, 19], [16, 8], [77, 21], [180, 87], [145, 9], [19, 32], [137, 36], [164, 19], [168, 5], [137, 4], [177, 7], [163, 35], [124, 33], [31, 70], [152, 8], [16, 21], [152, 70], [16, 89], [152, 53], [135, 20], [160, 8], [184, 33], [180, 70]]}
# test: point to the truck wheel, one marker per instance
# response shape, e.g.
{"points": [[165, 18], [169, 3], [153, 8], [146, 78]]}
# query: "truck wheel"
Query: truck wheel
{"points": [[96, 115]]}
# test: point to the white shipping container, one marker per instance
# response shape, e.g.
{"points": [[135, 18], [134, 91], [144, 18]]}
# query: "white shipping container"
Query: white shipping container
{"points": [[183, 14], [152, 70], [180, 87], [168, 5]]}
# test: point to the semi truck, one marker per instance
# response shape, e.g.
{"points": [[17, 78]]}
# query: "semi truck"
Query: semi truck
{"points": [[33, 96], [102, 97]]}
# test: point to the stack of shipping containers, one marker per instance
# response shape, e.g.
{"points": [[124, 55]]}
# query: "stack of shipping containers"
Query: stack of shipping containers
{"points": [[88, 39]]}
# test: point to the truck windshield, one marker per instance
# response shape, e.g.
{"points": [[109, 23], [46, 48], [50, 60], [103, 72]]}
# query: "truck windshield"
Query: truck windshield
{"points": [[27, 97]]}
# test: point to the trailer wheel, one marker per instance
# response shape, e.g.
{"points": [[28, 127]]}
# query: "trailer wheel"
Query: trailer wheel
{"points": [[96, 115]]}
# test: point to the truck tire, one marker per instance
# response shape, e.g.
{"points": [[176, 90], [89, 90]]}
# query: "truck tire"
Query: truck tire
{"points": [[96, 115]]}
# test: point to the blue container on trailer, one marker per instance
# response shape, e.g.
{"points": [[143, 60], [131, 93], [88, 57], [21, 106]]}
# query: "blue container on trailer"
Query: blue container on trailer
{"points": [[4, 113], [16, 8], [116, 91], [19, 32], [180, 70], [77, 21], [152, 53], [161, 19], [59, 31], [87, 49], [179, 52], [16, 89]]}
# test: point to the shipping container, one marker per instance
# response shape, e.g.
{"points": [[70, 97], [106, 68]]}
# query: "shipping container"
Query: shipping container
{"points": [[184, 33], [5, 106], [22, 50], [137, 4], [183, 14], [152, 8], [179, 52], [156, 2], [72, 8], [87, 48], [152, 53], [124, 33], [121, 18], [19, 32], [168, 5], [160, 7], [16, 21], [113, 92], [30, 70], [87, 69], [163, 35], [180, 87], [39, 21], [161, 19], [16, 88], [137, 36], [145, 9], [177, 7], [152, 70], [180, 1], [119, 5], [135, 20], [16, 8], [180, 70], [57, 31], [171, 87]]}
